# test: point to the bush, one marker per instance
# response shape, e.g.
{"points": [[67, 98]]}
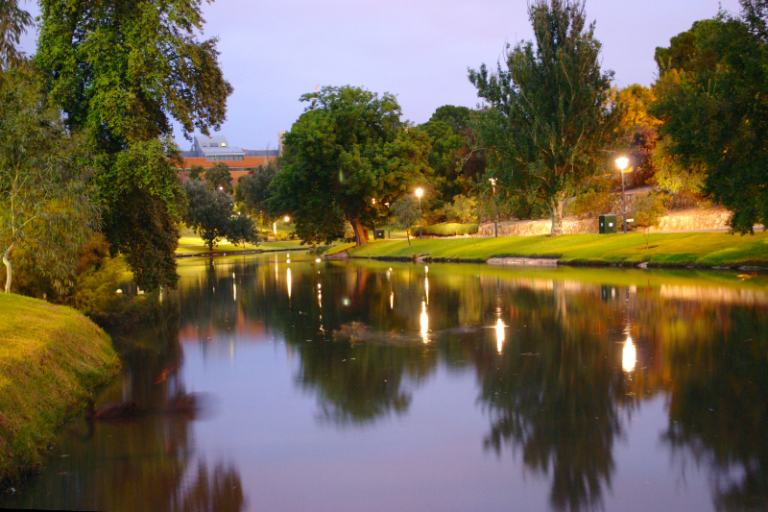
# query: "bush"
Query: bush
{"points": [[592, 203], [450, 229]]}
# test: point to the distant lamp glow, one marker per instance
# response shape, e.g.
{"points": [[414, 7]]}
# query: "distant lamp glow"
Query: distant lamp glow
{"points": [[419, 192], [622, 162], [424, 319], [629, 355], [221, 188], [286, 219], [373, 200], [499, 335], [317, 260]]}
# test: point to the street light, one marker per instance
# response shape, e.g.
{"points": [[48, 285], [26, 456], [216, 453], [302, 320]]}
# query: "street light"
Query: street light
{"points": [[495, 216], [419, 193], [623, 162], [389, 234], [286, 219]]}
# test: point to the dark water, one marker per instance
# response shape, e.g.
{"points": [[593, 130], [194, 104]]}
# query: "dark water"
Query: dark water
{"points": [[380, 387]]}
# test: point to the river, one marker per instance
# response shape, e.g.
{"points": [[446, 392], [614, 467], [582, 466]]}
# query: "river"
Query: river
{"points": [[371, 386]]}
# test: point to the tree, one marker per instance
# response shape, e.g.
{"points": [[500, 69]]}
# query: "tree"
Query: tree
{"points": [[548, 113], [122, 72], [252, 190], [46, 205], [13, 23], [219, 178], [242, 230], [348, 148], [715, 110], [196, 172], [406, 212], [647, 211], [209, 212]]}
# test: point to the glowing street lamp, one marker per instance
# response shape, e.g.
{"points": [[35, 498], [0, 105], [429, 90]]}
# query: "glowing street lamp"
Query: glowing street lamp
{"points": [[623, 162], [286, 219], [419, 193]]}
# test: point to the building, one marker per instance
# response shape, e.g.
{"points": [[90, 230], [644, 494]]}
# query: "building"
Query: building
{"points": [[207, 151]]}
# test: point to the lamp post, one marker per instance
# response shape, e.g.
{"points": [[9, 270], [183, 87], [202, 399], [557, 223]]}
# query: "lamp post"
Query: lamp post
{"points": [[389, 234], [495, 216], [623, 162], [419, 193]]}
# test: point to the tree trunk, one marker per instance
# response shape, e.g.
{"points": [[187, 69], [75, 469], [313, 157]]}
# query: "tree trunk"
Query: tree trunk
{"points": [[361, 233], [408, 234], [556, 209], [8, 268]]}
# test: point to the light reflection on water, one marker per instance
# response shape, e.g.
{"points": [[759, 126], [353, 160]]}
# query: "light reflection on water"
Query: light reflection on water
{"points": [[615, 390]]}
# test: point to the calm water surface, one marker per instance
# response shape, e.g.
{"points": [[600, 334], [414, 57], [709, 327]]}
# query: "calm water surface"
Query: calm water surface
{"points": [[370, 386]]}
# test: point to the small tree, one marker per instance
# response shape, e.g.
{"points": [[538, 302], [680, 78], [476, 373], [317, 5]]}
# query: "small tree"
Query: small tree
{"points": [[209, 212], [46, 204], [242, 230], [218, 178], [406, 214], [647, 211], [196, 172], [252, 191]]}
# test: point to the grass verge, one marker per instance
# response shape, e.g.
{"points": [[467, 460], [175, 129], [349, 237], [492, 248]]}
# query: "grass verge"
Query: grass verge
{"points": [[51, 360], [666, 249]]}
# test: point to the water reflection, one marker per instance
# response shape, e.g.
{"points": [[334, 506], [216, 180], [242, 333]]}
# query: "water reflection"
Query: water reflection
{"points": [[557, 395]]}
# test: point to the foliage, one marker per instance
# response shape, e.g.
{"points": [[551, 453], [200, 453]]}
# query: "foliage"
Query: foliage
{"points": [[711, 96], [647, 211], [348, 148], [13, 23], [252, 191], [548, 114], [144, 202], [406, 213], [241, 230], [196, 172], [462, 210], [450, 229], [673, 177], [209, 212], [455, 162], [122, 73], [219, 178], [46, 205], [595, 200]]}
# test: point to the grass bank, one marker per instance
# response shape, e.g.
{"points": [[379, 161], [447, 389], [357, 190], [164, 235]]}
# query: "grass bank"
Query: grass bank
{"points": [[194, 246], [51, 360], [666, 249]]}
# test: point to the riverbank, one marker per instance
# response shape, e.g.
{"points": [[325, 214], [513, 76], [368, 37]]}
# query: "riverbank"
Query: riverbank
{"points": [[51, 360], [701, 250]]}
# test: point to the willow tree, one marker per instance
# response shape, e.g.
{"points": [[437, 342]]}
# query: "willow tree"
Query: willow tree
{"points": [[547, 112], [346, 156], [123, 73]]}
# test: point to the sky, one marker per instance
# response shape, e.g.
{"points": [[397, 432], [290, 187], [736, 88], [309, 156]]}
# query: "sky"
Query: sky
{"points": [[419, 50]]}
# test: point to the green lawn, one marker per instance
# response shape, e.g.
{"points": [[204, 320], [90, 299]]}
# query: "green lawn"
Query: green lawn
{"points": [[191, 244], [51, 359], [700, 249]]}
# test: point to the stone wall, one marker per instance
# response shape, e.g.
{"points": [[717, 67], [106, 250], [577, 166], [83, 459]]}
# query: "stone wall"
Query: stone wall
{"points": [[695, 219]]}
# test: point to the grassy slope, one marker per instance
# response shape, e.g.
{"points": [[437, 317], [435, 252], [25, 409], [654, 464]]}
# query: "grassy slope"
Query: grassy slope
{"points": [[193, 245], [701, 249], [51, 358]]}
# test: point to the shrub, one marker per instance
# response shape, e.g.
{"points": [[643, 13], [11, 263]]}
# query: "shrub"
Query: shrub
{"points": [[450, 229]]}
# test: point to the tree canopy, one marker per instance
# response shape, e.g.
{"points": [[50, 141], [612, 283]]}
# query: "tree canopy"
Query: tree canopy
{"points": [[346, 150], [122, 72], [13, 23], [548, 114], [711, 98]]}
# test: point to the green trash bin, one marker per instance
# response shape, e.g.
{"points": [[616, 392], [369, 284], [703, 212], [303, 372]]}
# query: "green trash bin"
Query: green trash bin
{"points": [[607, 224], [378, 234]]}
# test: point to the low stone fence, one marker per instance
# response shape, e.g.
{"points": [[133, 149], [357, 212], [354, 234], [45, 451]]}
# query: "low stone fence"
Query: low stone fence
{"points": [[684, 220]]}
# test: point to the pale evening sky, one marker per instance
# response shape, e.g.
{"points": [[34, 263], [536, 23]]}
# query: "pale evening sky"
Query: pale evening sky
{"points": [[273, 52]]}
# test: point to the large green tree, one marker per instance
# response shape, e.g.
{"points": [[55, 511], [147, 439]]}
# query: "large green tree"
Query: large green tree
{"points": [[346, 150], [46, 206], [252, 191], [711, 96], [122, 72], [209, 212], [548, 114]]}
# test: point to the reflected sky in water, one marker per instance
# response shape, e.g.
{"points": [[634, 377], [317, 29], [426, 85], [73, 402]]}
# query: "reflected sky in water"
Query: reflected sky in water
{"points": [[379, 386]]}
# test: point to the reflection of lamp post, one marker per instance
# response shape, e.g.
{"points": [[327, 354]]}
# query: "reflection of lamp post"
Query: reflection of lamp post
{"points": [[499, 335], [495, 216], [623, 162], [419, 193], [629, 355], [389, 234]]}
